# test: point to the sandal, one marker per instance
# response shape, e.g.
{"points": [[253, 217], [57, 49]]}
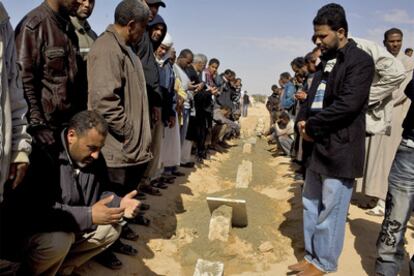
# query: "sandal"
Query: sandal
{"points": [[377, 211], [150, 190], [140, 220], [123, 248], [129, 234], [108, 259]]}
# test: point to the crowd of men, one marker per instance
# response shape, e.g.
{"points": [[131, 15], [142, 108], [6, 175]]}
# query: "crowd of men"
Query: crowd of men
{"points": [[90, 126], [346, 118]]}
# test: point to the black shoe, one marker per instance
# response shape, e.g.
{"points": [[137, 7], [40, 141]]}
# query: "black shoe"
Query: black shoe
{"points": [[178, 173], [140, 220], [129, 234], [108, 259], [188, 165], [123, 248]]}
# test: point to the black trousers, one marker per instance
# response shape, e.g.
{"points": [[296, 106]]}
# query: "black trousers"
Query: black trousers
{"points": [[125, 180]]}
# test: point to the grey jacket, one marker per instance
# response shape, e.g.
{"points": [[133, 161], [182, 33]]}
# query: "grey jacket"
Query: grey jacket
{"points": [[117, 91], [14, 139]]}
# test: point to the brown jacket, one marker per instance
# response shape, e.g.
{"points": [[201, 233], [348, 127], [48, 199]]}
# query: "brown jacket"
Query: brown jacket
{"points": [[47, 47], [117, 91]]}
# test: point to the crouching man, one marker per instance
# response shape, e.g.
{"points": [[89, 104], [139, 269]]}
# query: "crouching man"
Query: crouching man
{"points": [[71, 217]]}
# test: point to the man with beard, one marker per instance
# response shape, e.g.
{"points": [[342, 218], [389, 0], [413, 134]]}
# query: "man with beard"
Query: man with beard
{"points": [[47, 48], [333, 118], [72, 215]]}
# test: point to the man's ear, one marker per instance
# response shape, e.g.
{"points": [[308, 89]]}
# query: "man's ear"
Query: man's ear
{"points": [[341, 33], [71, 136], [131, 25]]}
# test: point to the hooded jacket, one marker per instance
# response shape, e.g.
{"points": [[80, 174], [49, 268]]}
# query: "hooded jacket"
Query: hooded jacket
{"points": [[145, 50]]}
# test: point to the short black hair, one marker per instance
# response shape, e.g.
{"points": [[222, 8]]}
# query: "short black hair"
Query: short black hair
{"points": [[408, 50], [332, 15], [184, 53], [391, 32], [284, 115], [309, 57], [274, 86], [87, 120], [131, 10], [285, 75], [298, 62], [214, 61], [229, 72]]}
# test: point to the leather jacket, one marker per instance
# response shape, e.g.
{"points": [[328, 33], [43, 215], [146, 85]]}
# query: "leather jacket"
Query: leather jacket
{"points": [[47, 56]]}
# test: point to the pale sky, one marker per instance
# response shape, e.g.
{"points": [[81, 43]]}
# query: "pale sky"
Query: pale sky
{"points": [[257, 39]]}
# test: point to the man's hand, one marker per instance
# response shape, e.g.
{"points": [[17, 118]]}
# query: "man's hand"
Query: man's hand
{"points": [[156, 114], [199, 87], [171, 121], [301, 95], [130, 204], [44, 136], [17, 172], [301, 125], [103, 215]]}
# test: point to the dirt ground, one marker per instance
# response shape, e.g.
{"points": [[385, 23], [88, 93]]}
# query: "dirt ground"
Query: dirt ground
{"points": [[180, 218]]}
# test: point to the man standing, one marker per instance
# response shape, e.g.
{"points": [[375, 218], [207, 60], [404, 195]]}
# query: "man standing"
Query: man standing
{"points": [[47, 48], [15, 143], [400, 201], [273, 105], [86, 37], [287, 101], [123, 104], [334, 119], [145, 49], [117, 91]]}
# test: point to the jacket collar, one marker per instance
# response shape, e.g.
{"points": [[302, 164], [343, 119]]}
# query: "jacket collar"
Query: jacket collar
{"points": [[126, 48], [82, 27], [64, 153]]}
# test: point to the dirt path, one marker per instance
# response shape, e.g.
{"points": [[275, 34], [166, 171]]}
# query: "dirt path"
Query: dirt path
{"points": [[180, 218]]}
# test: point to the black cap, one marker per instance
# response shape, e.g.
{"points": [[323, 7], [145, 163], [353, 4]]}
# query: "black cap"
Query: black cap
{"points": [[153, 2]]}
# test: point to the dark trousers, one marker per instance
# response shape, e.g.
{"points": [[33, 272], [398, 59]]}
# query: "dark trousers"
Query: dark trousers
{"points": [[125, 180]]}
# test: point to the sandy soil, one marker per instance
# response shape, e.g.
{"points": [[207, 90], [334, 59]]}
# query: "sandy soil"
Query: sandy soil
{"points": [[177, 236]]}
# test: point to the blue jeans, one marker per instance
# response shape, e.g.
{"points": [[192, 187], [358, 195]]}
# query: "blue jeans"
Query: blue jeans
{"points": [[325, 207], [398, 207]]}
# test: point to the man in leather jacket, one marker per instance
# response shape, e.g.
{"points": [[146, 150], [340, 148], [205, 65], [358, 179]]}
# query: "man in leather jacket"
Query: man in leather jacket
{"points": [[46, 45]]}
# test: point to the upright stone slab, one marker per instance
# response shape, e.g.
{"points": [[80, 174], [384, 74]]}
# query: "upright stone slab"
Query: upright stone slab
{"points": [[239, 215], [206, 268], [247, 148], [220, 223], [244, 174]]}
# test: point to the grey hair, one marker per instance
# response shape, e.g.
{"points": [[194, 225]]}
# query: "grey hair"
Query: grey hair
{"points": [[200, 58], [131, 10]]}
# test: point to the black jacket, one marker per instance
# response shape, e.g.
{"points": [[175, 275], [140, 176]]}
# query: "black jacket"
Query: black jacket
{"points": [[56, 196], [408, 124], [339, 129], [145, 50]]}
